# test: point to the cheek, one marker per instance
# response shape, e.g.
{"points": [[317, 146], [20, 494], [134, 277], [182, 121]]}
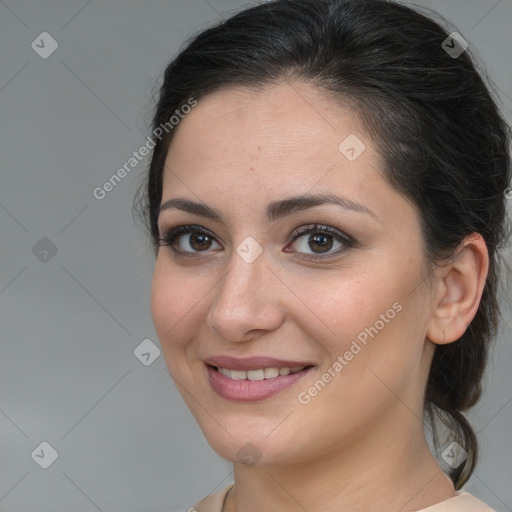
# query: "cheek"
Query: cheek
{"points": [[173, 306], [344, 304], [369, 318], [371, 359]]}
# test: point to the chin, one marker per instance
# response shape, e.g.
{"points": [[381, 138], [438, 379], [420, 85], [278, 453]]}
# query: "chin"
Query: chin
{"points": [[255, 450]]}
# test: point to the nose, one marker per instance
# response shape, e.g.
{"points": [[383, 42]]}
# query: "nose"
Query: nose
{"points": [[247, 301]]}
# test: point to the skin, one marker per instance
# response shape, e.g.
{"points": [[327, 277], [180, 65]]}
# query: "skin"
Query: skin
{"points": [[358, 445]]}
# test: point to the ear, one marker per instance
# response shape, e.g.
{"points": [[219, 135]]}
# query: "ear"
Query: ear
{"points": [[458, 292]]}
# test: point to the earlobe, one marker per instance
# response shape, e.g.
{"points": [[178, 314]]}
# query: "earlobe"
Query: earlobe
{"points": [[459, 291]]}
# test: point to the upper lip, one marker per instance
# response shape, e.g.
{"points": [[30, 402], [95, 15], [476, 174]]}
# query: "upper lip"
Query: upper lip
{"points": [[252, 363]]}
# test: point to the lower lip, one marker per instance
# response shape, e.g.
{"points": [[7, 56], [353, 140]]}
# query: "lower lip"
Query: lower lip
{"points": [[251, 390]]}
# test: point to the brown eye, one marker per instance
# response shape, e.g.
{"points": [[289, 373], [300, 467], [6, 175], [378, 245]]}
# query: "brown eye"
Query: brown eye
{"points": [[199, 241], [323, 242], [188, 239], [317, 242]]}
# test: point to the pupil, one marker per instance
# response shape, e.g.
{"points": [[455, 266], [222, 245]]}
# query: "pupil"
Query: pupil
{"points": [[199, 241], [324, 242]]}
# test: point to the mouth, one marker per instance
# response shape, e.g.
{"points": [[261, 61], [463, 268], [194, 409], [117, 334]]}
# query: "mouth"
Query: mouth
{"points": [[256, 384]]}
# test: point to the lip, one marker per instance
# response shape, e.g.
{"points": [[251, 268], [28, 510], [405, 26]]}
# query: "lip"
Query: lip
{"points": [[247, 390], [253, 363]]}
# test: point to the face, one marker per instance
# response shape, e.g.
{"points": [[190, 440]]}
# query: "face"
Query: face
{"points": [[333, 286]]}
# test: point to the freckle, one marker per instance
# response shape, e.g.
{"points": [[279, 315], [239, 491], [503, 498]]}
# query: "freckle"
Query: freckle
{"points": [[251, 168]]}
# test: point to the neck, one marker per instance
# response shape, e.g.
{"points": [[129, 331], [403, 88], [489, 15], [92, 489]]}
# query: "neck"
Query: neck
{"points": [[378, 473]]}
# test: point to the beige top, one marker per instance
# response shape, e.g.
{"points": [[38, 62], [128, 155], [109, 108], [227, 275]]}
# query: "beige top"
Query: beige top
{"points": [[463, 502]]}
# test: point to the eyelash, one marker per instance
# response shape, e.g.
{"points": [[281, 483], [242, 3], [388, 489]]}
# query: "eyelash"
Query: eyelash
{"points": [[172, 233]]}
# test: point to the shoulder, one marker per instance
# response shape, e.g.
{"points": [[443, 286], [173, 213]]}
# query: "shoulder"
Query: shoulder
{"points": [[212, 502], [463, 502]]}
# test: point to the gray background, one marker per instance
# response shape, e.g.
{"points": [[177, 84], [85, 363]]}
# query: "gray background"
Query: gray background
{"points": [[70, 324]]}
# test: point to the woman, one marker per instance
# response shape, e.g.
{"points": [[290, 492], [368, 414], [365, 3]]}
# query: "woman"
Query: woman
{"points": [[327, 210]]}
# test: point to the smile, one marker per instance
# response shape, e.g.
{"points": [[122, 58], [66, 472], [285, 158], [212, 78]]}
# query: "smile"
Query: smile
{"points": [[255, 384]]}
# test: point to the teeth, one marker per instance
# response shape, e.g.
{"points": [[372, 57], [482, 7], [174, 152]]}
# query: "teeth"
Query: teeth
{"points": [[260, 374], [224, 371], [255, 374], [270, 373]]}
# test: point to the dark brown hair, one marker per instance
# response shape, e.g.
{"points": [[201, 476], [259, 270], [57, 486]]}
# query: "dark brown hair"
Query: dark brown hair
{"points": [[438, 129]]}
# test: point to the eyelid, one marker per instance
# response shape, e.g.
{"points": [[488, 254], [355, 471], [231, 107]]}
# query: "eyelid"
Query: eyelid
{"points": [[346, 240], [315, 227], [171, 233]]}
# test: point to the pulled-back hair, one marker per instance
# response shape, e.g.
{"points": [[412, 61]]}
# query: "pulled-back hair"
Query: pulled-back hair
{"points": [[437, 128]]}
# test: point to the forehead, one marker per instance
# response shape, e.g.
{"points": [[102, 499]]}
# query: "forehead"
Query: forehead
{"points": [[292, 110], [286, 130]]}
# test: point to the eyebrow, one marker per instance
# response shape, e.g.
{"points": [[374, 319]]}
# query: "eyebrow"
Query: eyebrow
{"points": [[275, 210]]}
